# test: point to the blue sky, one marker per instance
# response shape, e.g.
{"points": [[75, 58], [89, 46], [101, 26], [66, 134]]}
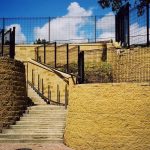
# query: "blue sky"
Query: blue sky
{"points": [[40, 8], [79, 29]]}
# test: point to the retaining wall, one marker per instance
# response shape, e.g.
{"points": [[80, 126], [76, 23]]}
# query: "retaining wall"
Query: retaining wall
{"points": [[109, 117], [13, 98]]}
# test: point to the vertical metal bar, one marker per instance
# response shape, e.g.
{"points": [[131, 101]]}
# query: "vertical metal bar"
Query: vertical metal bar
{"points": [[49, 28], [66, 97], [32, 77], [81, 67], [147, 18], [55, 55], [128, 18], [78, 78], [42, 87], [67, 46], [37, 52], [49, 94], [14, 39], [10, 43], [44, 53], [38, 82], [116, 27], [2, 42], [4, 23], [58, 94], [27, 78], [95, 28]]}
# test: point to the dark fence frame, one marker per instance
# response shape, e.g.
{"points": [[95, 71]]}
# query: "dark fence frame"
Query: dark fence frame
{"points": [[11, 41], [122, 25]]}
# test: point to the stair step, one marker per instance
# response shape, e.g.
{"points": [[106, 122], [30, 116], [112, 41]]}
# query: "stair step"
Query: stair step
{"points": [[37, 126], [26, 140], [47, 107], [40, 123], [32, 136], [34, 131]]}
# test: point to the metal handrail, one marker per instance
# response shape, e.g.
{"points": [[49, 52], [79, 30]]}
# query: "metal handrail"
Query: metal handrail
{"points": [[48, 99]]}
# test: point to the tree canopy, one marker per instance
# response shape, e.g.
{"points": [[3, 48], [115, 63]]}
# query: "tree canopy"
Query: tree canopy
{"points": [[117, 4]]}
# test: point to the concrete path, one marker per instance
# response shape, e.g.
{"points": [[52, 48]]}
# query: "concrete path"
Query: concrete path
{"points": [[30, 146]]}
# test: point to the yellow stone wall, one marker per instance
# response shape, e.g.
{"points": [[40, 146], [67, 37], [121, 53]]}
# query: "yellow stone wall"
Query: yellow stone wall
{"points": [[25, 52], [130, 65], [109, 117]]}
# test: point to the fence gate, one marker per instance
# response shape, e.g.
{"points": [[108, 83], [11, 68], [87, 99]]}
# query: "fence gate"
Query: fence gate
{"points": [[122, 26]]}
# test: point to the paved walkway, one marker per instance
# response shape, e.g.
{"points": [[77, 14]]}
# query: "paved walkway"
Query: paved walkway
{"points": [[27, 146]]}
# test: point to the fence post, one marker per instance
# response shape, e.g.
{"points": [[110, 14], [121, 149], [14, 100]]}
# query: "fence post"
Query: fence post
{"points": [[55, 55], [4, 23], [12, 43], [27, 78], [37, 54], [147, 16], [67, 58], [128, 18], [95, 27], [2, 42], [44, 53], [49, 28], [81, 67]]}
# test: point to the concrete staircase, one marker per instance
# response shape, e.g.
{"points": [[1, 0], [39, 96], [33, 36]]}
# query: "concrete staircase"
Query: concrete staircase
{"points": [[36, 99], [41, 123]]}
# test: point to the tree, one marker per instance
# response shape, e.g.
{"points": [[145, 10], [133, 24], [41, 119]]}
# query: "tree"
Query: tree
{"points": [[39, 41], [117, 4]]}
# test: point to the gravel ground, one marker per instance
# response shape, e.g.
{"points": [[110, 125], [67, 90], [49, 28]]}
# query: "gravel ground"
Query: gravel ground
{"points": [[26, 146]]}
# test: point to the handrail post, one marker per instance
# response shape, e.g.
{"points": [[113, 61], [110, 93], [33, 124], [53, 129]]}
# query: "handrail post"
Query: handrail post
{"points": [[42, 87], [49, 94], [58, 94], [32, 77], [66, 97], [38, 82]]}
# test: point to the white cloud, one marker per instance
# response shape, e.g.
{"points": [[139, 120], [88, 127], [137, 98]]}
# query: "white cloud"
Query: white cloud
{"points": [[106, 27], [66, 27], [138, 34], [20, 38], [106, 36], [107, 23]]}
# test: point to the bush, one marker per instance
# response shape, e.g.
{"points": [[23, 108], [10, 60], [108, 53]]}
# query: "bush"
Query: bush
{"points": [[98, 72]]}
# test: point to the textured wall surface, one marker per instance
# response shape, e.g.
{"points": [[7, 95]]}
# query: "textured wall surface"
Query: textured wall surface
{"points": [[24, 52], [130, 65], [13, 100], [109, 117]]}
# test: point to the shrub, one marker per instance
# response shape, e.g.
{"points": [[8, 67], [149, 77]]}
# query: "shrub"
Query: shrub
{"points": [[98, 72]]}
